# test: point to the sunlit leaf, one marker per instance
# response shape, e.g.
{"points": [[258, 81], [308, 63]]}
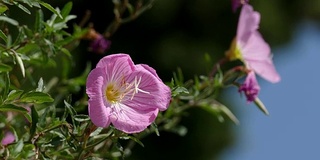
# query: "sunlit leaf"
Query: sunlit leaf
{"points": [[36, 97], [3, 8], [14, 94]]}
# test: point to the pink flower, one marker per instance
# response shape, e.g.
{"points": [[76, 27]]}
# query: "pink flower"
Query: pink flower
{"points": [[250, 87], [250, 47], [237, 3], [8, 138], [100, 44], [127, 95]]}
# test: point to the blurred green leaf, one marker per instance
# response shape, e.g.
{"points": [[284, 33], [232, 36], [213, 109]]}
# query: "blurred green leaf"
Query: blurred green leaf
{"points": [[35, 118], [36, 97], [178, 90], [9, 20], [22, 7], [49, 7], [132, 138], [5, 68], [3, 8], [216, 108], [261, 106], [3, 36], [66, 9], [40, 87], [38, 25]]}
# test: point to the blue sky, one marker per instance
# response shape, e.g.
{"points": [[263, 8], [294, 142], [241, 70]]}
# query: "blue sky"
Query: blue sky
{"points": [[292, 130]]}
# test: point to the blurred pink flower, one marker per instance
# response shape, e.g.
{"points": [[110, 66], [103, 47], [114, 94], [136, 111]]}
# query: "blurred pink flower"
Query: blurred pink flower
{"points": [[250, 47], [127, 95], [237, 3], [8, 138], [250, 87], [100, 44]]}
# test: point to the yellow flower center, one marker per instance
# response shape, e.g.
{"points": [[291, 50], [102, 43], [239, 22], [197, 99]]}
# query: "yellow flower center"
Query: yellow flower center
{"points": [[112, 94], [116, 92], [234, 52]]}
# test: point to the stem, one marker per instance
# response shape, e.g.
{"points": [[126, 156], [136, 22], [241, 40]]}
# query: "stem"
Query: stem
{"points": [[216, 66]]}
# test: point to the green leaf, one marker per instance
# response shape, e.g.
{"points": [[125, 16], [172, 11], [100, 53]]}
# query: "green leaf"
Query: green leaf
{"points": [[38, 25], [7, 85], [9, 20], [20, 62], [81, 118], [11, 107], [3, 36], [14, 94], [49, 7], [23, 8], [36, 97], [3, 8], [35, 118], [216, 108], [132, 138], [261, 106], [5, 68], [66, 9], [178, 90], [96, 132]]}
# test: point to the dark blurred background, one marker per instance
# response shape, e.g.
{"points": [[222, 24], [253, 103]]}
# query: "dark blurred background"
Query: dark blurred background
{"points": [[178, 33]]}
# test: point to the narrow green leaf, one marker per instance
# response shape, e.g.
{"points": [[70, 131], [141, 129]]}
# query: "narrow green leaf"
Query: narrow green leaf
{"points": [[49, 7], [66, 9], [216, 108], [11, 107], [133, 138], [14, 94], [9, 20], [96, 132], [35, 118], [38, 25], [3, 36], [20, 62], [5, 68], [261, 106], [7, 85], [81, 118], [23, 8], [71, 111], [36, 97]]}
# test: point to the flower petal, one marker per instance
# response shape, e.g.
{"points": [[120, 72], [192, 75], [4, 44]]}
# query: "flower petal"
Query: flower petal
{"points": [[257, 56], [154, 94], [8, 138], [130, 120], [99, 110], [248, 23]]}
